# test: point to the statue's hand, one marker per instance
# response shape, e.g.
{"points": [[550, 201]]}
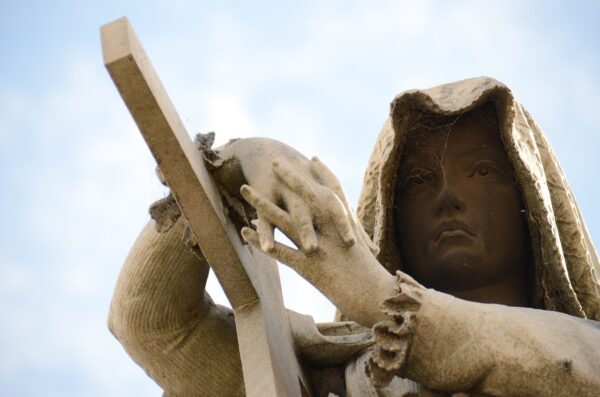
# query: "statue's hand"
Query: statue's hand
{"points": [[318, 195], [250, 161], [342, 264]]}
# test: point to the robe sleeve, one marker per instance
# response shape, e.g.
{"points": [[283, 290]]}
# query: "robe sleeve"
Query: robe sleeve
{"points": [[167, 322], [452, 345]]}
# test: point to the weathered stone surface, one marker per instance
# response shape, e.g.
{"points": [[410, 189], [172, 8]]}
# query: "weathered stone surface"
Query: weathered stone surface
{"points": [[250, 279]]}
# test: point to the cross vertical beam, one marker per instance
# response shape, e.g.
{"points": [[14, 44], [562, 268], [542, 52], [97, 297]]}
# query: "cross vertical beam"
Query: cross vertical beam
{"points": [[249, 278]]}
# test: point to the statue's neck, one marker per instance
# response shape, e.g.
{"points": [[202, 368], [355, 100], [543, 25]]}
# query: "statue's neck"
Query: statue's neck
{"points": [[511, 292]]}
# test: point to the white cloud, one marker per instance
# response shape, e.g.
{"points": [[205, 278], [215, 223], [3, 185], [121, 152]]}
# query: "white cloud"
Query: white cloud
{"points": [[14, 109], [302, 125], [228, 115], [86, 196]]}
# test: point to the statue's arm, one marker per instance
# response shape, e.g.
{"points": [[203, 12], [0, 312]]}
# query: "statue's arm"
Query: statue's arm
{"points": [[455, 345], [160, 311], [442, 342], [167, 322]]}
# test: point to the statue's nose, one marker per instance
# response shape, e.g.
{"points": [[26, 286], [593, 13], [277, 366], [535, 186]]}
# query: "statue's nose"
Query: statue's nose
{"points": [[447, 200]]}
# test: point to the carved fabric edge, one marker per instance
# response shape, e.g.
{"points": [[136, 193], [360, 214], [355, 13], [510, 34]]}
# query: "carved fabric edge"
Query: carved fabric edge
{"points": [[165, 212], [393, 336]]}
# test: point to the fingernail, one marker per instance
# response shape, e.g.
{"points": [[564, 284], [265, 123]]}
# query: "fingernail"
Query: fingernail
{"points": [[244, 189], [246, 233], [267, 246], [310, 247], [349, 240], [310, 243]]}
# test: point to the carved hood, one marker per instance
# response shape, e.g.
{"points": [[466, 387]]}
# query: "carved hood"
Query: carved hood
{"points": [[565, 261]]}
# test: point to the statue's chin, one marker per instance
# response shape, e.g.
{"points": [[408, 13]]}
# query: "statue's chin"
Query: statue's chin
{"points": [[457, 269], [456, 257]]}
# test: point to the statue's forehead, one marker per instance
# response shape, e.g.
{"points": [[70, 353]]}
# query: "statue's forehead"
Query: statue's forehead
{"points": [[465, 137]]}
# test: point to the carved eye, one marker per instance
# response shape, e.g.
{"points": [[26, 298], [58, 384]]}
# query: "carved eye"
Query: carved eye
{"points": [[419, 177], [414, 179], [482, 170]]}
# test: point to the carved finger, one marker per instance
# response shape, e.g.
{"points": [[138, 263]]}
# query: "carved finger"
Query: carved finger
{"points": [[341, 212], [284, 254], [405, 278], [365, 237], [340, 219], [266, 234], [294, 181], [265, 208], [322, 172], [303, 222]]}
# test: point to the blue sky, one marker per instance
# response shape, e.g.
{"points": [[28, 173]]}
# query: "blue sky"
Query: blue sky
{"points": [[77, 179]]}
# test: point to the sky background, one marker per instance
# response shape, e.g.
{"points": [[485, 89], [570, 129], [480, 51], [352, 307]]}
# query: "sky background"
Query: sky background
{"points": [[76, 177]]}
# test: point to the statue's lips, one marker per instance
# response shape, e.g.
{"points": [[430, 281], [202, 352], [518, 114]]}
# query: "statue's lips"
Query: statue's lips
{"points": [[452, 228]]}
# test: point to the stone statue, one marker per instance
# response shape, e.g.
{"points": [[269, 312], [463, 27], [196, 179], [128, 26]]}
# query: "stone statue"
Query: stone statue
{"points": [[462, 192], [467, 270]]}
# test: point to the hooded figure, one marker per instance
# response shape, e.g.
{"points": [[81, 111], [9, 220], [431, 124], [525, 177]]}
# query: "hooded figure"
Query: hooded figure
{"points": [[188, 345], [565, 265], [565, 262]]}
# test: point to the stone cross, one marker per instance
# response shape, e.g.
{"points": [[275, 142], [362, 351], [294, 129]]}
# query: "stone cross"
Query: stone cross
{"points": [[249, 278]]}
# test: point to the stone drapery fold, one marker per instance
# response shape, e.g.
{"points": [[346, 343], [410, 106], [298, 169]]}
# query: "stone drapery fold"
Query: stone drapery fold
{"points": [[393, 335]]}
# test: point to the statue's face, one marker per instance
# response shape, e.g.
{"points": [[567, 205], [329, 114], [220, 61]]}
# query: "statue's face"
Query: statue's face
{"points": [[459, 214]]}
